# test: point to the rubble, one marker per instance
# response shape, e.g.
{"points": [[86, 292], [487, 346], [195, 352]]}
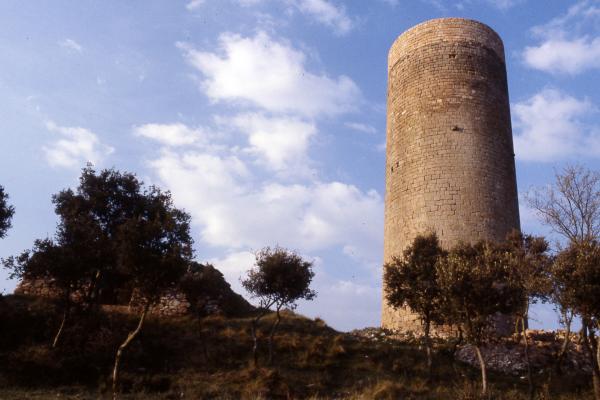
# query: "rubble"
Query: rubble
{"points": [[505, 355]]}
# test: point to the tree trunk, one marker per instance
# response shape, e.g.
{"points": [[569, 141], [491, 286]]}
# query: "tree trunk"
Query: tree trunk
{"points": [[592, 351], [568, 319], [527, 360], [132, 335], [67, 300], [595, 356], [272, 333], [483, 371], [60, 329], [426, 336], [255, 339], [92, 292]]}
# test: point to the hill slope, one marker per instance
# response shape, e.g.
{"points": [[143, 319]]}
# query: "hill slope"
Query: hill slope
{"points": [[182, 358]]}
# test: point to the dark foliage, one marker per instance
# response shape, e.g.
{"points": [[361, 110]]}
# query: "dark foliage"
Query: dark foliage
{"points": [[476, 284], [279, 279], [6, 213], [577, 275], [412, 281]]}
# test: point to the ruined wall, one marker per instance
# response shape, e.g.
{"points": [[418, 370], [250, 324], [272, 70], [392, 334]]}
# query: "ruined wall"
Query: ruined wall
{"points": [[171, 304], [450, 161]]}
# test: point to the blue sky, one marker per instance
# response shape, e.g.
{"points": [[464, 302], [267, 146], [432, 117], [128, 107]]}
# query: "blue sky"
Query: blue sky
{"points": [[266, 118]]}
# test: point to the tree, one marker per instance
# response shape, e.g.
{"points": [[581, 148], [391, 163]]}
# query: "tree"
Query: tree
{"points": [[529, 268], [66, 263], [155, 248], [6, 213], [101, 203], [81, 259], [577, 271], [571, 207], [476, 286], [279, 279], [411, 281]]}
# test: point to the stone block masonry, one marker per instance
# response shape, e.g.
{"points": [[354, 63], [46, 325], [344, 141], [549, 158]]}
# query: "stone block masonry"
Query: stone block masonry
{"points": [[449, 160]]}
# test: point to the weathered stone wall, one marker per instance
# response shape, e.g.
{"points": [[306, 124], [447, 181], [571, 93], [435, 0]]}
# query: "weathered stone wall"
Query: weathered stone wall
{"points": [[450, 162], [171, 304]]}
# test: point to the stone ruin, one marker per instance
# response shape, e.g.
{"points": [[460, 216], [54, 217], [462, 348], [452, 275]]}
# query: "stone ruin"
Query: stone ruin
{"points": [[172, 304]]}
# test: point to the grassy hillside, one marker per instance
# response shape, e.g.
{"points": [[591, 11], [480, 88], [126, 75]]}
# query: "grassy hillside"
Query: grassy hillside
{"points": [[184, 359]]}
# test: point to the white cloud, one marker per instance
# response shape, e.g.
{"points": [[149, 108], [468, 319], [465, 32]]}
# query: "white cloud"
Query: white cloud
{"points": [[75, 147], [570, 43], [170, 134], [280, 143], [551, 128], [564, 56], [234, 267], [270, 74], [361, 127], [194, 4], [327, 13], [71, 45], [235, 211]]}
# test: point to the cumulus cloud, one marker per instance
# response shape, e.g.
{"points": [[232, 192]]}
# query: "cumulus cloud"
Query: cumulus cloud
{"points": [[551, 127], [234, 211], [75, 147], [170, 134], [570, 56], [327, 13], [263, 72], [281, 143], [71, 44], [570, 43]]}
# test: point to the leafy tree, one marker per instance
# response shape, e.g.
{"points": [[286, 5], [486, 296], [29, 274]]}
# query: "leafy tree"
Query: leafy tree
{"points": [[279, 279], [476, 286], [529, 263], [65, 263], [411, 281], [577, 271], [6, 213], [571, 207], [102, 203], [81, 260], [154, 250]]}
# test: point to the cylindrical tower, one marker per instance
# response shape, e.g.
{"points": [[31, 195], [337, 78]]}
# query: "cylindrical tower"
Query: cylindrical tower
{"points": [[450, 162]]}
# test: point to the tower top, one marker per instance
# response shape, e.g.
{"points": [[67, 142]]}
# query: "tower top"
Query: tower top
{"points": [[446, 30]]}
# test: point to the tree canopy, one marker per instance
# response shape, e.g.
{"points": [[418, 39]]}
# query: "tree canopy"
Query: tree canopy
{"points": [[279, 279], [6, 213]]}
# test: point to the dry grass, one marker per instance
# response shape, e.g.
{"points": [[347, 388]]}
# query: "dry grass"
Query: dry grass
{"points": [[176, 359]]}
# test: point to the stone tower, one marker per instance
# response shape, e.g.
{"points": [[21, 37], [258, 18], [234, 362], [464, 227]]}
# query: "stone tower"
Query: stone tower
{"points": [[450, 162]]}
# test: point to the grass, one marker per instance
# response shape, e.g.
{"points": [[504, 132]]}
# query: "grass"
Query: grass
{"points": [[182, 359]]}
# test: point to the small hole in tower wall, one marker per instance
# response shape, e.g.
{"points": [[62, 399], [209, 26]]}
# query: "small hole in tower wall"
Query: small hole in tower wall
{"points": [[452, 56]]}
